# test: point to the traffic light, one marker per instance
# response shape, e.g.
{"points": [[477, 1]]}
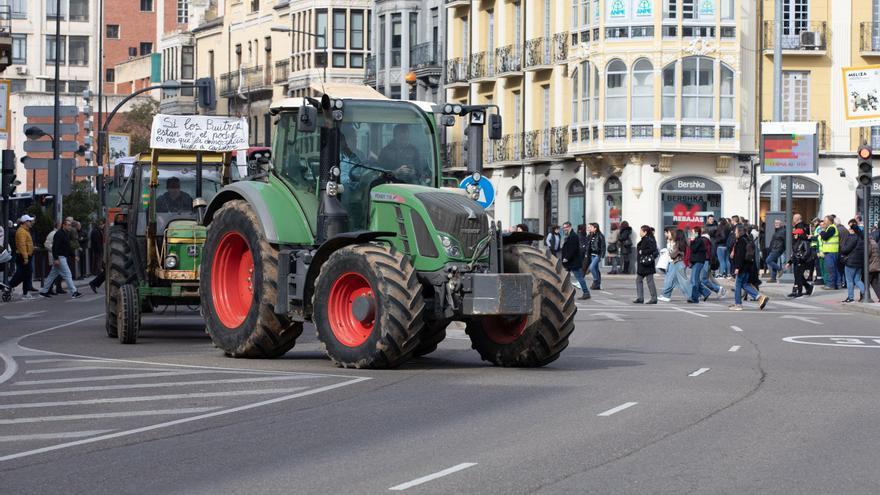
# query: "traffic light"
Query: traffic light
{"points": [[866, 157], [8, 182], [207, 93]]}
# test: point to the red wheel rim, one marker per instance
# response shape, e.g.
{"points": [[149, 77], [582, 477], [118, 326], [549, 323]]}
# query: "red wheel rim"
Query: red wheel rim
{"points": [[504, 329], [346, 327], [232, 280]]}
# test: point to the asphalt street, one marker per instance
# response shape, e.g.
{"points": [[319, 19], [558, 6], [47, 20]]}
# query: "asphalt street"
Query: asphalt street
{"points": [[673, 398]]}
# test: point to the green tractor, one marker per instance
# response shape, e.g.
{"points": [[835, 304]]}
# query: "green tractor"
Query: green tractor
{"points": [[155, 241], [349, 228]]}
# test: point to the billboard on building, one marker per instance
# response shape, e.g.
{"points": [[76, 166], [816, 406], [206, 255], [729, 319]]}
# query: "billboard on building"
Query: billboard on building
{"points": [[118, 146], [861, 94], [789, 148]]}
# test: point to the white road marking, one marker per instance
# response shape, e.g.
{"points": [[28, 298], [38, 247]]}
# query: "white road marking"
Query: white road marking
{"points": [[24, 315], [87, 368], [617, 409], [109, 377], [431, 477], [734, 348], [801, 318], [51, 436], [120, 414], [37, 361], [865, 341], [736, 328], [794, 305], [182, 420], [66, 390], [85, 299], [147, 398], [606, 292], [699, 372], [610, 316], [688, 311]]}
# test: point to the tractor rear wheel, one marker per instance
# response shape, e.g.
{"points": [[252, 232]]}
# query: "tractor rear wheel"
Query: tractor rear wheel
{"points": [[435, 332], [120, 271], [128, 314], [368, 307], [238, 284], [536, 339]]}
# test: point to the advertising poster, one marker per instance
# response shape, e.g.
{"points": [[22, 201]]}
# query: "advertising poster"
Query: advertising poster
{"points": [[118, 146], [861, 93], [789, 148], [687, 201]]}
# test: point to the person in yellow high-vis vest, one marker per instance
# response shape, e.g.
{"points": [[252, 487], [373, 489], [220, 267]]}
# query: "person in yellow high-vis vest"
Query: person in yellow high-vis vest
{"points": [[816, 245], [829, 247]]}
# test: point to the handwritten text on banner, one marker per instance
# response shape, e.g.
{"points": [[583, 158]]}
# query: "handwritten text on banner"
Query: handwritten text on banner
{"points": [[195, 132]]}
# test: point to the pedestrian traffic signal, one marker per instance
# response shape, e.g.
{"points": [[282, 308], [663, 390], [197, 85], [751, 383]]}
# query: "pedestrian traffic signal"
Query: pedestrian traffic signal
{"points": [[8, 183], [207, 93], [866, 165]]}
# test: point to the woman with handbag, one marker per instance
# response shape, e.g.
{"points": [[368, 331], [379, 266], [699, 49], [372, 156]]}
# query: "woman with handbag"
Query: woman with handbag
{"points": [[613, 249], [645, 269], [625, 243]]}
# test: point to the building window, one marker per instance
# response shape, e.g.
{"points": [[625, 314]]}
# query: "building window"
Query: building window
{"points": [[132, 51], [19, 48], [515, 199], [338, 29], [414, 29], [668, 92], [795, 96], [795, 17], [52, 13], [615, 91], [688, 9], [321, 28], [698, 31], [110, 75], [79, 10], [50, 86], [77, 86], [726, 93], [79, 50], [187, 63], [146, 48], [18, 85], [50, 49], [338, 59], [574, 96], [586, 70], [395, 92], [255, 5], [357, 29], [727, 10], [576, 202], [698, 88], [381, 54], [18, 8], [728, 31], [616, 32], [670, 9], [595, 71], [643, 90], [356, 60], [182, 11], [146, 5], [396, 39], [112, 31]]}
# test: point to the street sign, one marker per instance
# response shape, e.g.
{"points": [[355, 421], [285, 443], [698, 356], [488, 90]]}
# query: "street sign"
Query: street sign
{"points": [[49, 111], [487, 191], [67, 166], [789, 148], [5, 90], [861, 95], [66, 129], [43, 163], [45, 146], [85, 171]]}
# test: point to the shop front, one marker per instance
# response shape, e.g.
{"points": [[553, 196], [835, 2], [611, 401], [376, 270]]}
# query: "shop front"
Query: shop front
{"points": [[806, 197], [613, 194], [685, 202], [873, 203]]}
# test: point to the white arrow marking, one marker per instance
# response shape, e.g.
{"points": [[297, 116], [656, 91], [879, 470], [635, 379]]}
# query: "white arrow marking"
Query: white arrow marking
{"points": [[801, 318], [25, 315], [736, 328], [699, 372], [610, 316], [617, 409], [734, 348]]}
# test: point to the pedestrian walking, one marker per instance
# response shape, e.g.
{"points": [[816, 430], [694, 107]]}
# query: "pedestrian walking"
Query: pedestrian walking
{"points": [[874, 267], [843, 231], [50, 238], [744, 263], [614, 249], [777, 249], [720, 241], [852, 252], [625, 245], [802, 259], [712, 264], [96, 243], [696, 260], [818, 255], [553, 241], [595, 253], [830, 249], [62, 251], [573, 258], [646, 259], [676, 246], [24, 258]]}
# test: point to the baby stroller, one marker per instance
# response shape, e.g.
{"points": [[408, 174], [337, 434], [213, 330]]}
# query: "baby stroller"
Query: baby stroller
{"points": [[5, 290]]}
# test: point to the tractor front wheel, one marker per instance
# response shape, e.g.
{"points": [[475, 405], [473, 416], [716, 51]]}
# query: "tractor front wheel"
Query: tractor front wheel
{"points": [[536, 339], [128, 314], [120, 272], [238, 284], [368, 307]]}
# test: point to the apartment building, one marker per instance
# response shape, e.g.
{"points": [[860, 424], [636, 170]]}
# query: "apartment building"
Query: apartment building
{"points": [[615, 110], [819, 39], [407, 49]]}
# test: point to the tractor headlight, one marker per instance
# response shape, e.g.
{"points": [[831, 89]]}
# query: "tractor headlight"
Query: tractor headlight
{"points": [[332, 188], [171, 262], [450, 246]]}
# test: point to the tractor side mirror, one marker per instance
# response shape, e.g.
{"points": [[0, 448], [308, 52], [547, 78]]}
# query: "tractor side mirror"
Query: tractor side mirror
{"points": [[307, 120], [495, 126]]}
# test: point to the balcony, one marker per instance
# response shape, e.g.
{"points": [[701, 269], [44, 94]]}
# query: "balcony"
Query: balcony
{"points": [[543, 53], [546, 143], [869, 39], [454, 156], [425, 56], [282, 70], [508, 60], [453, 4], [457, 71], [253, 82], [508, 149], [482, 65], [807, 38]]}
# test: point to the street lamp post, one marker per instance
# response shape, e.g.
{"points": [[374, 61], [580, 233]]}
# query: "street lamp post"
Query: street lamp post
{"points": [[56, 146], [283, 29]]}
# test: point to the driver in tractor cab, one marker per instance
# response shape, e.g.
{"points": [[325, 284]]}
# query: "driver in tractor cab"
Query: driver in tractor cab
{"points": [[399, 156], [348, 155], [173, 199]]}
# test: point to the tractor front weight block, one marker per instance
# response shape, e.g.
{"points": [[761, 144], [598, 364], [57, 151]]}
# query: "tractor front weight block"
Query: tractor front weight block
{"points": [[497, 294]]}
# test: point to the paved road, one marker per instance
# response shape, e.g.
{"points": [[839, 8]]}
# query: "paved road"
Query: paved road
{"points": [[667, 399]]}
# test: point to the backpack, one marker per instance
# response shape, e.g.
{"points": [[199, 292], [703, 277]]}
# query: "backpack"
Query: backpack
{"points": [[714, 264], [750, 252]]}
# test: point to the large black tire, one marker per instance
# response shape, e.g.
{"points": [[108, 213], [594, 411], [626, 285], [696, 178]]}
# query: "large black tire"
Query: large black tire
{"points": [[120, 271], [259, 332], [128, 314], [544, 334], [433, 335], [396, 307]]}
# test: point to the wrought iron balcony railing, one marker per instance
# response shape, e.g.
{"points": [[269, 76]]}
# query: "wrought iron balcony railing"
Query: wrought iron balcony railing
{"points": [[869, 37], [798, 36], [508, 59], [247, 81], [282, 70], [425, 55], [457, 70]]}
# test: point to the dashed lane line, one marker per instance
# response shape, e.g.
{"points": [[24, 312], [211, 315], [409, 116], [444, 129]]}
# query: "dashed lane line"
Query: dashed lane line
{"points": [[65, 390], [147, 398], [736, 328], [734, 348], [52, 436], [121, 414], [699, 372], [689, 312], [434, 476], [615, 410]]}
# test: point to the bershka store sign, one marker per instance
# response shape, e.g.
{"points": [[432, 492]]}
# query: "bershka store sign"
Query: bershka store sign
{"points": [[687, 201]]}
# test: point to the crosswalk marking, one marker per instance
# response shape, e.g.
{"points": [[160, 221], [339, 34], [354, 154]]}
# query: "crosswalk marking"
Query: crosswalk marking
{"points": [[81, 368], [109, 377], [145, 398], [122, 414], [95, 388], [52, 436]]}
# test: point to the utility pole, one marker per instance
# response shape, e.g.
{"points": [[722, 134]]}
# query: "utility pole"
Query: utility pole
{"points": [[777, 96], [56, 145]]}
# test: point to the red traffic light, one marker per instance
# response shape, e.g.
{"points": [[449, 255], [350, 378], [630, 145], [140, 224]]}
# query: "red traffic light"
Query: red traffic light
{"points": [[865, 152]]}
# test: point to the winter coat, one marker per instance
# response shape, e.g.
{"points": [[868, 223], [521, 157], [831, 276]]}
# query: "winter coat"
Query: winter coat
{"points": [[738, 257], [595, 245], [553, 241], [675, 254], [572, 259], [613, 237], [24, 243], [647, 246], [624, 239], [802, 252], [874, 257], [61, 245], [853, 248], [777, 243], [698, 251]]}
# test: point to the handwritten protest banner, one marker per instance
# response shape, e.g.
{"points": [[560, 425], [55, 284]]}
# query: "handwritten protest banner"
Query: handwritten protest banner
{"points": [[198, 132]]}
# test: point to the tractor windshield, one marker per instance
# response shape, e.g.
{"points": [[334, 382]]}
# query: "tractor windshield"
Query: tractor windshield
{"points": [[175, 192]]}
